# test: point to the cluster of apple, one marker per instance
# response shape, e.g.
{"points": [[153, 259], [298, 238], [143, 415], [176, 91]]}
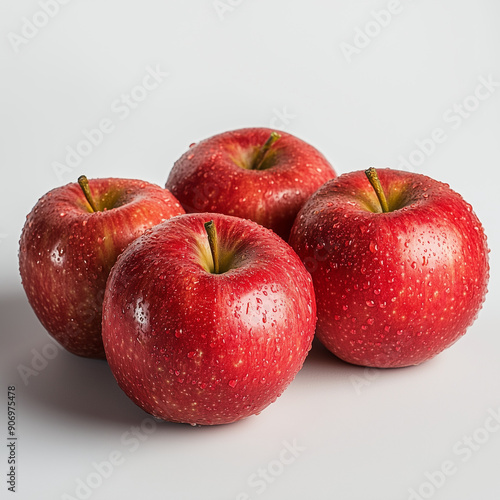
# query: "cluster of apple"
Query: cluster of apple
{"points": [[205, 317]]}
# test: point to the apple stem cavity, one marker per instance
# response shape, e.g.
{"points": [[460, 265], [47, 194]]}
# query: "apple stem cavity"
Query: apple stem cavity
{"points": [[212, 241], [258, 161], [371, 173], [84, 184]]}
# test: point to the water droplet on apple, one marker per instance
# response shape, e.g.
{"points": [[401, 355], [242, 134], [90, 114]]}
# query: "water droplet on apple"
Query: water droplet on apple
{"points": [[191, 354]]}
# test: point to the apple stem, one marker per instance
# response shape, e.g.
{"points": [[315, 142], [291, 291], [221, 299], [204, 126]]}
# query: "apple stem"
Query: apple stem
{"points": [[212, 241], [371, 173], [261, 154], [84, 184]]}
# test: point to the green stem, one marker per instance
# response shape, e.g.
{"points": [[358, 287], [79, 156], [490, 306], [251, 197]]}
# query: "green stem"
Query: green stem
{"points": [[371, 173], [261, 154], [84, 184], [212, 241]]}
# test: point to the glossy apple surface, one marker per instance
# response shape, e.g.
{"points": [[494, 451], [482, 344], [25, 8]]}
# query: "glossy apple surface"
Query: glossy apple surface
{"points": [[235, 173], [67, 250], [393, 289], [189, 345]]}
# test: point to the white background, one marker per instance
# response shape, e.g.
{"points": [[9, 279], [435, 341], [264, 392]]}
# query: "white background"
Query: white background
{"points": [[358, 434]]}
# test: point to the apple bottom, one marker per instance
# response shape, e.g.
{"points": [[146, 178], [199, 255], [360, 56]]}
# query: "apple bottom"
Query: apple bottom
{"points": [[194, 365], [397, 327], [208, 396]]}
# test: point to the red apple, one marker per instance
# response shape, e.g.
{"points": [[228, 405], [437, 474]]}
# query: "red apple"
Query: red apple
{"points": [[394, 287], [253, 173], [68, 247], [206, 331]]}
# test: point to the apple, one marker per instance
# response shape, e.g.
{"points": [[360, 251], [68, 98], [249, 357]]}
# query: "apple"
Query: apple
{"points": [[69, 243], [207, 319], [399, 265], [253, 173]]}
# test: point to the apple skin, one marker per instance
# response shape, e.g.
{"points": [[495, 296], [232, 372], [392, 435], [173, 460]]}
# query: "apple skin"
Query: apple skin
{"points": [[191, 346], [66, 253], [392, 289], [213, 176]]}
